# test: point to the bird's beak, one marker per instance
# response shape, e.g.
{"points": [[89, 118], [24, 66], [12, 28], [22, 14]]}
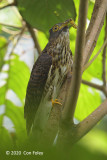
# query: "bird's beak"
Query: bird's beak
{"points": [[69, 23]]}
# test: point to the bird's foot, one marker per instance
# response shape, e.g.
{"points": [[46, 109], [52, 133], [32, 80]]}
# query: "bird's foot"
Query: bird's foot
{"points": [[55, 102]]}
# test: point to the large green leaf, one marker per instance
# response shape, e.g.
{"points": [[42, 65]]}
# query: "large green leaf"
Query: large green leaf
{"points": [[95, 69], [3, 3], [43, 14], [90, 9], [5, 138], [96, 140], [16, 113], [89, 99], [42, 39], [17, 79], [18, 76], [13, 17], [3, 49]]}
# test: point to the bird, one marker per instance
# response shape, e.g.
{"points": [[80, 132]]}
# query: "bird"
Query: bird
{"points": [[49, 71]]}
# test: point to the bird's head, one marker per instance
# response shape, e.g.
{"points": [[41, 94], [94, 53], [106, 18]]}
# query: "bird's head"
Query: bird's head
{"points": [[61, 29]]}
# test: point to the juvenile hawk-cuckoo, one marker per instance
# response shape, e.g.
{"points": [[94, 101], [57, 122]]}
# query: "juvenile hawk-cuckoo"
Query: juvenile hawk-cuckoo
{"points": [[49, 70]]}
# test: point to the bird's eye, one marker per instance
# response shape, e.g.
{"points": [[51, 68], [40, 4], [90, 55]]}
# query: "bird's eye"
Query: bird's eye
{"points": [[55, 28]]}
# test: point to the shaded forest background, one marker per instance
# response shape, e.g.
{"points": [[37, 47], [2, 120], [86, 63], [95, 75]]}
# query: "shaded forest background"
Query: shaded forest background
{"points": [[18, 52]]}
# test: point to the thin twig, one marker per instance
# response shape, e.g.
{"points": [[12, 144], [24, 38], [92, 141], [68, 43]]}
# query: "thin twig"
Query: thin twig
{"points": [[104, 57], [8, 25], [37, 46], [20, 35], [91, 61], [9, 41], [8, 5], [99, 87], [94, 28]]}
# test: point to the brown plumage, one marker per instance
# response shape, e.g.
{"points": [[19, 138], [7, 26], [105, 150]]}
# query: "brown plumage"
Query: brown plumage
{"points": [[49, 70]]}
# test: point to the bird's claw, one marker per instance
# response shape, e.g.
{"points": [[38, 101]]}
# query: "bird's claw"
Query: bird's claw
{"points": [[55, 102]]}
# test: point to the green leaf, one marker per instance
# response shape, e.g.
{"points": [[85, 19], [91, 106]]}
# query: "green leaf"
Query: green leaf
{"points": [[13, 17], [2, 94], [3, 3], [18, 74], [96, 140], [16, 114], [18, 77], [43, 14], [42, 39], [90, 9], [0, 28], [3, 49], [95, 69], [5, 138], [89, 99]]}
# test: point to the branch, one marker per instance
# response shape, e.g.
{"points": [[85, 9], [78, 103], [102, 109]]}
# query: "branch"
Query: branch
{"points": [[92, 85], [52, 126], [8, 25], [37, 46], [78, 131], [9, 41], [53, 120], [91, 61], [72, 95], [8, 5], [20, 35], [88, 123], [94, 28], [104, 57]]}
